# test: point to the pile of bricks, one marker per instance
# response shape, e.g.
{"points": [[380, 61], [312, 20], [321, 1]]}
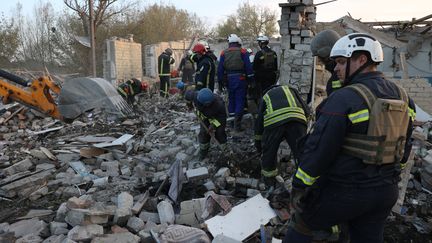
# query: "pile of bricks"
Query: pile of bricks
{"points": [[296, 28]]}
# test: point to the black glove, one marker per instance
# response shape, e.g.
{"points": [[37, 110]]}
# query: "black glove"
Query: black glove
{"points": [[297, 195], [258, 146]]}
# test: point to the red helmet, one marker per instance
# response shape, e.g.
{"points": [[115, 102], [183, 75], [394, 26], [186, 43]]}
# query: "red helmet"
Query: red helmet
{"points": [[144, 86], [199, 48]]}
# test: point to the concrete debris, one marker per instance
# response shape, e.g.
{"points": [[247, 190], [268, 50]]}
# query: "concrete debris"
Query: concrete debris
{"points": [[141, 180]]}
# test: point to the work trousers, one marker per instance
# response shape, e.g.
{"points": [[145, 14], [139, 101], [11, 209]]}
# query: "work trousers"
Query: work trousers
{"points": [[187, 76], [237, 88], [363, 210], [272, 137], [220, 134], [164, 85], [264, 80]]}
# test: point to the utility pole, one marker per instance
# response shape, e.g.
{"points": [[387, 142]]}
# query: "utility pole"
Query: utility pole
{"points": [[92, 39]]}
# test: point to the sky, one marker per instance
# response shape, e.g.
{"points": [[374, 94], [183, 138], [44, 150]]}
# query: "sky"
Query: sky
{"points": [[214, 11]]}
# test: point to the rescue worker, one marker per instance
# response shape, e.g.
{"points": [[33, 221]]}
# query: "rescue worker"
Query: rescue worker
{"points": [[208, 50], [210, 110], [130, 88], [235, 72], [343, 176], [183, 88], [321, 46], [265, 65], [281, 115], [205, 73], [187, 67], [164, 68]]}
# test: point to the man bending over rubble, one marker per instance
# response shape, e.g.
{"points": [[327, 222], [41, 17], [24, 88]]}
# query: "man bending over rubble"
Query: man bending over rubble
{"points": [[130, 88], [281, 115], [210, 110]]}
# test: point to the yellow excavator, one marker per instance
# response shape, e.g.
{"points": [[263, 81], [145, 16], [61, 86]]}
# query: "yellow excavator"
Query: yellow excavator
{"points": [[64, 103]]}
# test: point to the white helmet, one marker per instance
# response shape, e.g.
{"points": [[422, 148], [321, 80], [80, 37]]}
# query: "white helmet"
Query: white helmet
{"points": [[205, 44], [233, 38], [351, 43], [262, 38]]}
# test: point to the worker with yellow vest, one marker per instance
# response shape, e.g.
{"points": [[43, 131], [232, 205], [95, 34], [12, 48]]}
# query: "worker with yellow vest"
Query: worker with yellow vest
{"points": [[282, 114]]}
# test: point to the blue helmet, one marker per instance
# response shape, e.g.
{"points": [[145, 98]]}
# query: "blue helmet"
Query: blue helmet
{"points": [[205, 96], [189, 95], [180, 85]]}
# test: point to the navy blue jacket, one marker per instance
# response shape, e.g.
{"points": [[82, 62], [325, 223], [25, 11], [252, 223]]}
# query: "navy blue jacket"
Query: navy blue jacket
{"points": [[205, 73], [322, 158]]}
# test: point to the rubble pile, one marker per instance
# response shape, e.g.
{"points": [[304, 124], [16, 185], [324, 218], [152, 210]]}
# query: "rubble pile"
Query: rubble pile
{"points": [[139, 179]]}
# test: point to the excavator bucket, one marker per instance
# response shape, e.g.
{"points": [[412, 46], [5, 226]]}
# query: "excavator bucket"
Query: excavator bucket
{"points": [[82, 94]]}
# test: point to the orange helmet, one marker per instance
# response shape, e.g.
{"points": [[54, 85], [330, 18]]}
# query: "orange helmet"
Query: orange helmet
{"points": [[199, 48]]}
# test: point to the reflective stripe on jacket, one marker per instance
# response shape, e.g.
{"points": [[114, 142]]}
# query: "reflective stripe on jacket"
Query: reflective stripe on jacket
{"points": [[280, 105]]}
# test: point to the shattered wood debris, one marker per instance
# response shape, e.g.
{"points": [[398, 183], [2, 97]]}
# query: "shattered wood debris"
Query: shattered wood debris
{"points": [[140, 180]]}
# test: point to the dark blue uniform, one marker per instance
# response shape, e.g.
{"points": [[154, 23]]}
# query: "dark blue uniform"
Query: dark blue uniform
{"points": [[237, 73], [211, 115], [164, 72], [341, 187], [205, 73]]}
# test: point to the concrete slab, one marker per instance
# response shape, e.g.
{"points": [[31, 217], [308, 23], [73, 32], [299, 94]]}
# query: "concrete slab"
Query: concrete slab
{"points": [[243, 220]]}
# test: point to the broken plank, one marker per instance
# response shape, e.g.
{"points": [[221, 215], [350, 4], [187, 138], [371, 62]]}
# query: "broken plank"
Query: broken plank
{"points": [[137, 207], [405, 176], [46, 131], [13, 114], [119, 141], [48, 153]]}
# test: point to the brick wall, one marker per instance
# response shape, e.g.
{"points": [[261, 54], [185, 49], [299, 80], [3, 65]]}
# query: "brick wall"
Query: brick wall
{"points": [[122, 60], [420, 90], [296, 28]]}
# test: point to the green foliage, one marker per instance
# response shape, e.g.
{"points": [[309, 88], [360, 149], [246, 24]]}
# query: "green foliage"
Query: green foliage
{"points": [[249, 21]]}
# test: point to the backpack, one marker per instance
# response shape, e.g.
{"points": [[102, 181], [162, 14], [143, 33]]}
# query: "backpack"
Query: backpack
{"points": [[269, 60], [233, 59], [188, 64], [384, 142]]}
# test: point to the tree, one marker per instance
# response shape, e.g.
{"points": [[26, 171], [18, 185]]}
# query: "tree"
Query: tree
{"points": [[9, 39], [229, 26], [249, 21], [104, 10]]}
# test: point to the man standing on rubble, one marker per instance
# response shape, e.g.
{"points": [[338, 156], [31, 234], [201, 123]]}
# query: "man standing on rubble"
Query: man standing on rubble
{"points": [[210, 110], [164, 67], [235, 72], [265, 66], [350, 164], [187, 67], [321, 46], [205, 73], [282, 114]]}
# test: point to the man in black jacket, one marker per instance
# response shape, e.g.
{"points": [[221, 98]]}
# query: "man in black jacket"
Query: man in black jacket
{"points": [[164, 70], [350, 164], [282, 114], [210, 110], [264, 66], [187, 67], [205, 73]]}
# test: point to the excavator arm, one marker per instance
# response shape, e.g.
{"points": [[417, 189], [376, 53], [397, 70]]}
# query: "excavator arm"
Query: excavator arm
{"points": [[35, 94], [76, 96]]}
